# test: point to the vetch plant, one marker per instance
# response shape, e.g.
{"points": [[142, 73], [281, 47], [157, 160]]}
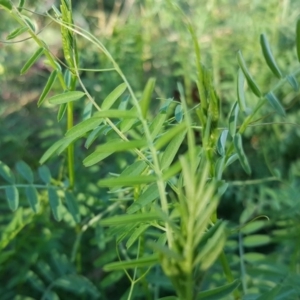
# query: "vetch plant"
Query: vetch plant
{"points": [[169, 221]]}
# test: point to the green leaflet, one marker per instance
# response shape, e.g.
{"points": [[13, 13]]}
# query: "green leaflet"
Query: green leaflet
{"points": [[269, 56], [171, 150], [222, 142], [110, 147], [157, 124], [293, 82], [146, 97], [127, 181], [83, 127], [298, 39], [30, 24], [12, 196], [136, 234], [219, 292], [6, 4], [45, 174], [61, 112], [256, 240], [113, 96], [129, 219], [275, 103], [148, 196], [55, 204], [95, 157], [162, 141], [238, 144], [32, 60], [115, 113], [145, 261], [47, 87], [32, 197], [25, 171], [53, 149], [72, 206], [178, 113], [21, 4], [233, 116], [6, 173], [241, 90], [17, 32], [252, 84], [66, 97]]}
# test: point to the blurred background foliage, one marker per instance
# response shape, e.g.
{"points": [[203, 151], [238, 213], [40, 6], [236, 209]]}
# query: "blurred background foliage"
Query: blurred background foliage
{"points": [[149, 39]]}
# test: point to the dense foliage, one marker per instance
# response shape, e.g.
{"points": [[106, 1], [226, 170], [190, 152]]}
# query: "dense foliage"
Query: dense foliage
{"points": [[149, 149]]}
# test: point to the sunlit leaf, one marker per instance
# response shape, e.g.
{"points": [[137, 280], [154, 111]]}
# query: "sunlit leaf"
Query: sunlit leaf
{"points": [[157, 124], [66, 97], [6, 4], [171, 150], [148, 196], [83, 127], [136, 234], [113, 96], [61, 111], [115, 113], [146, 97], [256, 240], [127, 180], [169, 135]]}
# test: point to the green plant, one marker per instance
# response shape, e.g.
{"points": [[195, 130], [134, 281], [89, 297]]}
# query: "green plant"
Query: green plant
{"points": [[168, 192]]}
